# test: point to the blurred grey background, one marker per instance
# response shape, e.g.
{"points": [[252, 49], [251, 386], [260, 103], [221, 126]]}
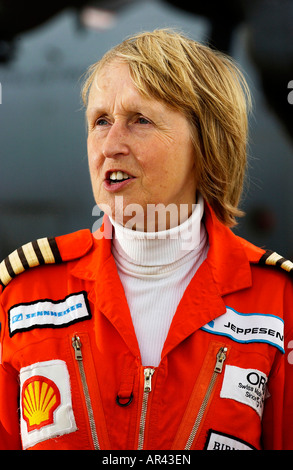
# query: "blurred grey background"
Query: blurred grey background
{"points": [[44, 182]]}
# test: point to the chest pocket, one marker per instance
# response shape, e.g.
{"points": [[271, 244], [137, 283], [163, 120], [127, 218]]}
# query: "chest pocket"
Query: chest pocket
{"points": [[228, 396], [202, 396], [60, 403], [45, 402]]}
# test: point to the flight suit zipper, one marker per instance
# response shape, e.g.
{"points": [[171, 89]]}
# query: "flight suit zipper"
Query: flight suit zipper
{"points": [[200, 397], [147, 388], [220, 359], [77, 345]]}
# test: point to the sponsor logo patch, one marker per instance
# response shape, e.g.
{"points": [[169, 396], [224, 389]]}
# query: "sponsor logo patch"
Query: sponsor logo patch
{"points": [[249, 328], [49, 313], [40, 398], [46, 407], [220, 441], [246, 386]]}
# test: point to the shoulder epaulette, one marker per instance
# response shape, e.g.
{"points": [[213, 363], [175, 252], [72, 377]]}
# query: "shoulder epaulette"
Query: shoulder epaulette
{"points": [[44, 251], [271, 258]]}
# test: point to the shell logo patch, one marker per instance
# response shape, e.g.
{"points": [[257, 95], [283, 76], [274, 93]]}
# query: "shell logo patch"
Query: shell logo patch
{"points": [[40, 398], [45, 402]]}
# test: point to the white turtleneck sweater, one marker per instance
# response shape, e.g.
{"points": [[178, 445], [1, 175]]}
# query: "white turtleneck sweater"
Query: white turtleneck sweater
{"points": [[155, 269]]}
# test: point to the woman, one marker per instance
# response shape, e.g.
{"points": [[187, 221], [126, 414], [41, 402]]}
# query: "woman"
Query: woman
{"points": [[163, 330]]}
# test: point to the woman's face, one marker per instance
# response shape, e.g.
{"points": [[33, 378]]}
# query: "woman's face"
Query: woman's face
{"points": [[138, 148]]}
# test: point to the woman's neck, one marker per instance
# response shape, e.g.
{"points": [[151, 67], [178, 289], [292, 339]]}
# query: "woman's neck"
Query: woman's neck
{"points": [[162, 247]]}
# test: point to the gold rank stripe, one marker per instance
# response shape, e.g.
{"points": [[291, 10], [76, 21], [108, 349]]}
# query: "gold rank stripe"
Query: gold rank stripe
{"points": [[271, 258], [30, 255]]}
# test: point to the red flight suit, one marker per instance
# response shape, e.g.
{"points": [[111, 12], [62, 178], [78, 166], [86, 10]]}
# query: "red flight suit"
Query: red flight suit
{"points": [[71, 375]]}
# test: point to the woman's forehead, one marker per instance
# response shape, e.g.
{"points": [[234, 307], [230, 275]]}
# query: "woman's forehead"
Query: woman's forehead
{"points": [[114, 84], [113, 87]]}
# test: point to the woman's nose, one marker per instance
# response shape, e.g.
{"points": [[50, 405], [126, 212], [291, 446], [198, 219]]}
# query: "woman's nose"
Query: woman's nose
{"points": [[116, 141]]}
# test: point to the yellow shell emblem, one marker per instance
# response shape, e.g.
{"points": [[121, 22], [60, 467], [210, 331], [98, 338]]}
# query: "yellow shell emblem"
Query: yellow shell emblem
{"points": [[40, 398]]}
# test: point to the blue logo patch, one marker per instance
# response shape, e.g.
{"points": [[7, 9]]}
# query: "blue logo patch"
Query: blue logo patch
{"points": [[49, 313], [249, 328]]}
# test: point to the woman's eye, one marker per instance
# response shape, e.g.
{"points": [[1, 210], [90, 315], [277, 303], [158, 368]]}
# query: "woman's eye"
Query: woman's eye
{"points": [[142, 120], [101, 122]]}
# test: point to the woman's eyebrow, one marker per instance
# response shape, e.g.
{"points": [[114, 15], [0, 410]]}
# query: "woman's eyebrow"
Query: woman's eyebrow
{"points": [[127, 106], [130, 110], [93, 110]]}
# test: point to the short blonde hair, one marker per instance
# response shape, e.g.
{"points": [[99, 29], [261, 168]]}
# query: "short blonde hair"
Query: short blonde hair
{"points": [[210, 90]]}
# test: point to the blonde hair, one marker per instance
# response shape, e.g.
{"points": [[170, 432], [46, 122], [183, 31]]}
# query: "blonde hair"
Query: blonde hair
{"points": [[210, 90]]}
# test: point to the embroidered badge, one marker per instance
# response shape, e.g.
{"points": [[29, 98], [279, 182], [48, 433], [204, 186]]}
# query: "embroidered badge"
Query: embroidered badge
{"points": [[40, 398], [249, 328], [49, 313], [246, 386], [221, 441], [46, 406]]}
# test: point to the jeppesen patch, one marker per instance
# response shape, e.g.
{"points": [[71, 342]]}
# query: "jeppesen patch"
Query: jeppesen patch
{"points": [[47, 313], [248, 328]]}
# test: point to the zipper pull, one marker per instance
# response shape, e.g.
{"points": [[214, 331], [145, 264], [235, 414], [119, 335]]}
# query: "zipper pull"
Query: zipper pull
{"points": [[148, 373], [221, 357], [76, 343]]}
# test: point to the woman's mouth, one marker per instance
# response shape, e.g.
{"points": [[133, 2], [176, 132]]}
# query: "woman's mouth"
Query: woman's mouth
{"points": [[118, 176], [116, 180]]}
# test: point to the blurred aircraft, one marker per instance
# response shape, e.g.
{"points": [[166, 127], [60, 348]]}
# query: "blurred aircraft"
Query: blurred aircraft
{"points": [[42, 129], [270, 42], [17, 16], [269, 23]]}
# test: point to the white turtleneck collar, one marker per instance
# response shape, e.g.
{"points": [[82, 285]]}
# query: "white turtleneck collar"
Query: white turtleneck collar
{"points": [[155, 269], [160, 248]]}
